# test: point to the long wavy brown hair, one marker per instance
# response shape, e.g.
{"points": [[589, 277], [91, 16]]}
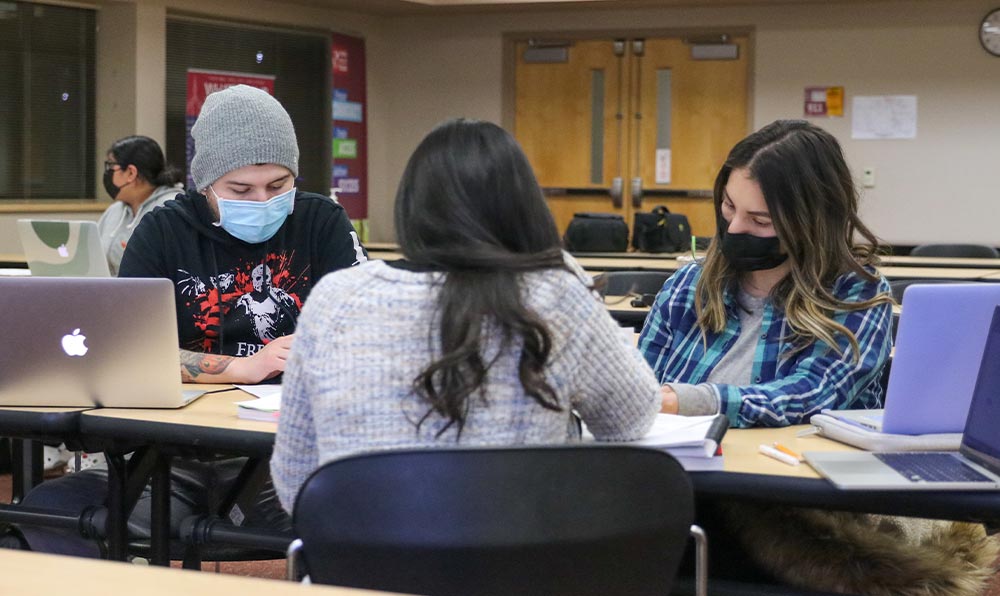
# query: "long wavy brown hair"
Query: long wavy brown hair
{"points": [[469, 204], [813, 205]]}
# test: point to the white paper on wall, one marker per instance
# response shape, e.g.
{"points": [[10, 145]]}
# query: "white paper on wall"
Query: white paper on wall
{"points": [[663, 166], [884, 117]]}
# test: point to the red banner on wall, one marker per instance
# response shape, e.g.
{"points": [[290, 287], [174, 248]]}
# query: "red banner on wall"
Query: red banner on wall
{"points": [[350, 131], [201, 83]]}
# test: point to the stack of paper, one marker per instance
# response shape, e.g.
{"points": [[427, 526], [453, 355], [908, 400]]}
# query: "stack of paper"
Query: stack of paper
{"points": [[265, 407], [693, 440]]}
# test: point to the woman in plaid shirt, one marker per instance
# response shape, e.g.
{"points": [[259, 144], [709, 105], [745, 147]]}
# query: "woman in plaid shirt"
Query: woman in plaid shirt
{"points": [[787, 315]]}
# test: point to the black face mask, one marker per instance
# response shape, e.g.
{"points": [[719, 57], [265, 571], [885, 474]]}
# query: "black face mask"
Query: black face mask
{"points": [[109, 186], [746, 252]]}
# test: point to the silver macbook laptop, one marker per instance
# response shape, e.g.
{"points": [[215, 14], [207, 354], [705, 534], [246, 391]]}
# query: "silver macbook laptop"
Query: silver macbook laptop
{"points": [[942, 331], [976, 466], [89, 342], [55, 248]]}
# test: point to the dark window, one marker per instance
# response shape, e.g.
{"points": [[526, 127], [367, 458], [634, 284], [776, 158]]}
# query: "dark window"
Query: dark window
{"points": [[299, 62], [46, 101]]}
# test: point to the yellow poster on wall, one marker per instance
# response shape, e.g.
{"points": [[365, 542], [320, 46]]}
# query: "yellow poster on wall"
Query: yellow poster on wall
{"points": [[835, 101], [824, 101]]}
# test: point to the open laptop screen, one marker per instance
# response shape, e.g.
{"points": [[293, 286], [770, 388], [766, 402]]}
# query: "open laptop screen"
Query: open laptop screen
{"points": [[981, 440], [58, 248]]}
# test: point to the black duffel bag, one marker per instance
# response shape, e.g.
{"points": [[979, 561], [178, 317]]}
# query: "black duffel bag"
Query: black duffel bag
{"points": [[661, 231], [596, 232]]}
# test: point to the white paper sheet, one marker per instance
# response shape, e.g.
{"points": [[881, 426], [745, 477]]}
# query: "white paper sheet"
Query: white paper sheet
{"points": [[268, 397], [884, 117]]}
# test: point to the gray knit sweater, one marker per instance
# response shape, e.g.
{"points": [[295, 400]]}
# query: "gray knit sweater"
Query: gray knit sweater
{"points": [[368, 331]]}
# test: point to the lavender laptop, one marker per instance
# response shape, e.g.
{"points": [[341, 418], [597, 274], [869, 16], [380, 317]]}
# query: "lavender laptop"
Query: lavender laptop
{"points": [[976, 466], [942, 332]]}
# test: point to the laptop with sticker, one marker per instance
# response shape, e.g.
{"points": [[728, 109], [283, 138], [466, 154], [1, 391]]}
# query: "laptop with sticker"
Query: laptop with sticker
{"points": [[976, 466], [90, 342], [57, 248]]}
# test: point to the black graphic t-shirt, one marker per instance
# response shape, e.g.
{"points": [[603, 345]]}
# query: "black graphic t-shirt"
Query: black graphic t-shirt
{"points": [[234, 297]]}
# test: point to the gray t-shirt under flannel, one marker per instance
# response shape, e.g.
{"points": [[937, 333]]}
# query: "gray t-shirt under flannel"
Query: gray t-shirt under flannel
{"points": [[735, 366]]}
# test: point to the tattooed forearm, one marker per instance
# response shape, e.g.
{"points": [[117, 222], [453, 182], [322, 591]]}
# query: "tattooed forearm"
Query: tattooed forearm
{"points": [[194, 364]]}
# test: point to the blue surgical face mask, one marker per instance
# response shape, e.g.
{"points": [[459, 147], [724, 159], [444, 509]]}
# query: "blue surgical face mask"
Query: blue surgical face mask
{"points": [[253, 221]]}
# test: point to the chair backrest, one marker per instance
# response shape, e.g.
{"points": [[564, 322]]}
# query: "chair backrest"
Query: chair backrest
{"points": [[542, 520], [623, 283], [968, 251]]}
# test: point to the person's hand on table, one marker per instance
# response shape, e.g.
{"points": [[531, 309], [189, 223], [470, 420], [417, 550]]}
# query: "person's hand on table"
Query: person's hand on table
{"points": [[268, 362], [669, 400]]}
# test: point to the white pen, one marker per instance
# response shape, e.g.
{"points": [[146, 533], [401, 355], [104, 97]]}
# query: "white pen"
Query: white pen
{"points": [[774, 453]]}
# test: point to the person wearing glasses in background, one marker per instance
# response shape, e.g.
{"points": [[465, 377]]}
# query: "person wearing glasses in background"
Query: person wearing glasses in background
{"points": [[138, 179]]}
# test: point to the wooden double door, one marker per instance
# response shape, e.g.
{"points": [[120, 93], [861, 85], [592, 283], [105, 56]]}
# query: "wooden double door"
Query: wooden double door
{"points": [[621, 126]]}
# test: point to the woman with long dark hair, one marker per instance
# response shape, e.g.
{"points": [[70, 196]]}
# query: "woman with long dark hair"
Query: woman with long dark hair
{"points": [[138, 179], [787, 315], [486, 333]]}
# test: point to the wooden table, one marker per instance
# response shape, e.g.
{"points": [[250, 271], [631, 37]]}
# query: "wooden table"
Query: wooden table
{"points": [[634, 255], [740, 454], [595, 263], [383, 255], [208, 426], [13, 260], [750, 476], [950, 273], [908, 261], [887, 260], [27, 427], [210, 422], [629, 264], [382, 246], [23, 572]]}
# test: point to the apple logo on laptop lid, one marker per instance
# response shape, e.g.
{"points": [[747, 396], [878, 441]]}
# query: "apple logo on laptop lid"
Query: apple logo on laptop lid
{"points": [[72, 343]]}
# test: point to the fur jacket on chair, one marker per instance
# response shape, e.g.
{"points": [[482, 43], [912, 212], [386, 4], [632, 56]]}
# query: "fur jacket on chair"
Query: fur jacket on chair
{"points": [[866, 554]]}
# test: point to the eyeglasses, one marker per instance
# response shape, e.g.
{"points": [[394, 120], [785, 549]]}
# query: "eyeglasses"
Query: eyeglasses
{"points": [[111, 165]]}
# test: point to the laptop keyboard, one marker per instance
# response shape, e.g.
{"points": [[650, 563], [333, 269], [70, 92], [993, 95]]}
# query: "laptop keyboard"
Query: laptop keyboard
{"points": [[931, 467]]}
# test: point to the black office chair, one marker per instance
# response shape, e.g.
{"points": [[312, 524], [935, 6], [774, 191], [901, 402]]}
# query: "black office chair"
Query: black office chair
{"points": [[624, 283], [582, 520], [969, 251]]}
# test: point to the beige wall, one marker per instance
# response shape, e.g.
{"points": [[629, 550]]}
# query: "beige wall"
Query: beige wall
{"points": [[421, 70], [938, 187], [131, 73]]}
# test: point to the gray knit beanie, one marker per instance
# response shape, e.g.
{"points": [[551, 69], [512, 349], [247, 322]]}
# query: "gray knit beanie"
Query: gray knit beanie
{"points": [[241, 126]]}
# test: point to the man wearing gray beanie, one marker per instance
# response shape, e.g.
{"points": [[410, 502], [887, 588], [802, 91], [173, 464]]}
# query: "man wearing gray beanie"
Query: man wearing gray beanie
{"points": [[241, 126], [245, 246], [243, 250]]}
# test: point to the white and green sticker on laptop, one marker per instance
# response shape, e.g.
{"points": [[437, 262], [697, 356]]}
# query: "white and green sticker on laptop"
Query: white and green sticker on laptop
{"points": [[56, 248]]}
